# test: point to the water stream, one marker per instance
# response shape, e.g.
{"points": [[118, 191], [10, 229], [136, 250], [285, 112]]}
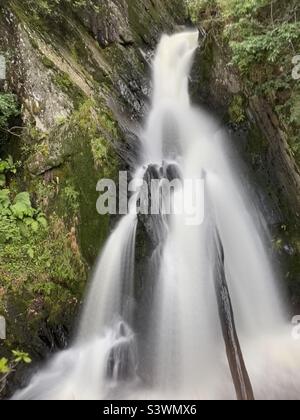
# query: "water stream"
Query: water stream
{"points": [[184, 352]]}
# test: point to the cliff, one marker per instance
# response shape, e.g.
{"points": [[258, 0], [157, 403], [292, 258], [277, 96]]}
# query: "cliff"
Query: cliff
{"points": [[78, 82]]}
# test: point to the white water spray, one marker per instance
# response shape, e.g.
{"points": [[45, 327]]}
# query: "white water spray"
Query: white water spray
{"points": [[184, 355]]}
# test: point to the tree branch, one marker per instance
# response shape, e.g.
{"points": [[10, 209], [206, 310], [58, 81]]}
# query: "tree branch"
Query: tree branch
{"points": [[11, 132]]}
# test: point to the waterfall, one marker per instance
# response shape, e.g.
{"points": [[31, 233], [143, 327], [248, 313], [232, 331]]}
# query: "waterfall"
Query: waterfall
{"points": [[215, 325]]}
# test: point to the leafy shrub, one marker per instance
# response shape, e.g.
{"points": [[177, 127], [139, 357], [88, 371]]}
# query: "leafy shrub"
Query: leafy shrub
{"points": [[6, 166], [17, 216], [7, 367], [71, 197], [8, 109], [201, 8], [260, 38], [236, 110], [271, 46], [241, 8]]}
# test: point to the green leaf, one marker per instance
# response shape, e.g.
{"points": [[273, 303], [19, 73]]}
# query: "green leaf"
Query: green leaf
{"points": [[4, 199], [23, 198], [34, 225], [19, 210], [7, 166], [10, 160], [22, 206], [4, 367], [30, 253], [8, 108], [43, 222], [21, 357], [2, 180]]}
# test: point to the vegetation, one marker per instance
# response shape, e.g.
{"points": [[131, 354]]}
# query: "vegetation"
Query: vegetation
{"points": [[6, 167], [48, 219], [8, 367], [40, 267], [98, 125], [236, 110], [63, 81], [17, 216], [72, 197], [260, 38], [8, 108], [50, 8]]}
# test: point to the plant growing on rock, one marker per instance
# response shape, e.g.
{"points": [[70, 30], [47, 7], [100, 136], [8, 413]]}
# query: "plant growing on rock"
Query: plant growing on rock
{"points": [[7, 166], [259, 39], [8, 109], [8, 367]]}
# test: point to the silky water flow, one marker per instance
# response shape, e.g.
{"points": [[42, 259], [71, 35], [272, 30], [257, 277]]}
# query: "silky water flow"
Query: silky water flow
{"points": [[216, 327]]}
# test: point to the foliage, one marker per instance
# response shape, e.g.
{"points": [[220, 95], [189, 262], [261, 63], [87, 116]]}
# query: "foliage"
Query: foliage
{"points": [[101, 129], [238, 9], [236, 110], [21, 357], [6, 167], [295, 108], [7, 367], [37, 260], [8, 109], [50, 8], [200, 8], [99, 150], [4, 366], [260, 39], [71, 197], [269, 47], [63, 81], [18, 217]]}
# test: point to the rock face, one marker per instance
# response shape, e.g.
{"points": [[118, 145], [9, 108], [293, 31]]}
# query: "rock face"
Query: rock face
{"points": [[219, 86], [80, 71]]}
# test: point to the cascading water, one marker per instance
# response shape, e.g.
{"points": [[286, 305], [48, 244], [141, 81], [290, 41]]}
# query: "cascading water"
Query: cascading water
{"points": [[216, 323]]}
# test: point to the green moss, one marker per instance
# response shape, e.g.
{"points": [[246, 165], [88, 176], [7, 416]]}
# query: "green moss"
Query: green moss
{"points": [[64, 83], [47, 63], [71, 197], [237, 110], [80, 151], [257, 145], [41, 276], [99, 150], [87, 140], [202, 72]]}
